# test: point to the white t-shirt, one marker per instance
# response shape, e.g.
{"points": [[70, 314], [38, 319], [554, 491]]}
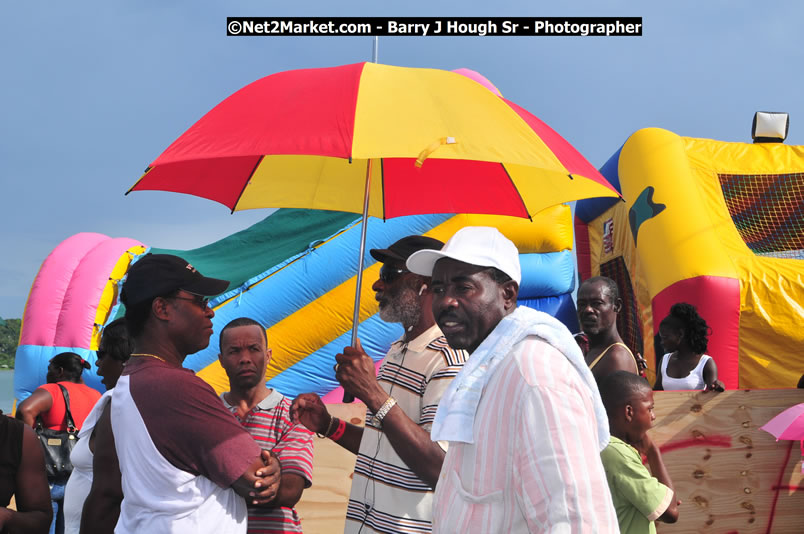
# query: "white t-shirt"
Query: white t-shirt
{"points": [[180, 450]]}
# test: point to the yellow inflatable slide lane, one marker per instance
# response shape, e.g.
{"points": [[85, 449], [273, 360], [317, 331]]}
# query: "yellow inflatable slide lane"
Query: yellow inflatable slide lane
{"points": [[721, 226], [314, 332]]}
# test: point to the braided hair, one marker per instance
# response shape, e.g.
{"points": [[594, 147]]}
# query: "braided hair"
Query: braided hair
{"points": [[685, 317]]}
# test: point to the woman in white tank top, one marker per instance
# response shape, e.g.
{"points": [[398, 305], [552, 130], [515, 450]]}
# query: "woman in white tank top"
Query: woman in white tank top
{"points": [[684, 336]]}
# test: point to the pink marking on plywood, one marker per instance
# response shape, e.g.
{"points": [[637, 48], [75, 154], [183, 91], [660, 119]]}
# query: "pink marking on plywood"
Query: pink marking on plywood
{"points": [[777, 488], [703, 441], [788, 487]]}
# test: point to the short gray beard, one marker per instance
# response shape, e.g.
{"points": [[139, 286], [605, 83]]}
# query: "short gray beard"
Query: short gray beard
{"points": [[405, 308]]}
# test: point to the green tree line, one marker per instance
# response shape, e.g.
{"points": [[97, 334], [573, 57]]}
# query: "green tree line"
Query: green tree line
{"points": [[9, 338]]}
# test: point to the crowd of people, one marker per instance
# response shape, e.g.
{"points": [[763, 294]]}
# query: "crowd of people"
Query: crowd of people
{"points": [[484, 416]]}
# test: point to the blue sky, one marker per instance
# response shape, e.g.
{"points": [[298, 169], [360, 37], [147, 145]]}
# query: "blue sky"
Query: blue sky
{"points": [[93, 92]]}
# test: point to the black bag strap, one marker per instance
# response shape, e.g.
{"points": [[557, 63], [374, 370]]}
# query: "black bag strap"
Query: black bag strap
{"points": [[38, 425], [70, 423]]}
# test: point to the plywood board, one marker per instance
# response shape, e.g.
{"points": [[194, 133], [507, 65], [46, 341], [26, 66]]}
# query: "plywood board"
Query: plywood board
{"points": [[322, 508], [731, 476]]}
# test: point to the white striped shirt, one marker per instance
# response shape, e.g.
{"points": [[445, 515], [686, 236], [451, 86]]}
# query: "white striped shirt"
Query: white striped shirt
{"points": [[387, 496], [534, 465]]}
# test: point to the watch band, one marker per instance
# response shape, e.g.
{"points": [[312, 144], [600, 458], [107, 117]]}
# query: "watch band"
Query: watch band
{"points": [[383, 411]]}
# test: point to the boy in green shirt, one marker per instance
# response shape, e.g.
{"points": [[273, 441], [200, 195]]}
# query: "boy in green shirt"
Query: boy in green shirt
{"points": [[639, 497]]}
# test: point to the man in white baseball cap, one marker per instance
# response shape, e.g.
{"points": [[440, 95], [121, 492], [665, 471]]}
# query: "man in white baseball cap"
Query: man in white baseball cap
{"points": [[523, 417]]}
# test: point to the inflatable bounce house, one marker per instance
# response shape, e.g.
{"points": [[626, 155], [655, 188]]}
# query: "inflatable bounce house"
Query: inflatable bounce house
{"points": [[718, 225], [294, 272]]}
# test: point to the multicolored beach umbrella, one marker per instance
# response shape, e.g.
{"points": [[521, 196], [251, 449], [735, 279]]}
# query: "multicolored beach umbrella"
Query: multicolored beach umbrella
{"points": [[431, 141], [378, 140]]}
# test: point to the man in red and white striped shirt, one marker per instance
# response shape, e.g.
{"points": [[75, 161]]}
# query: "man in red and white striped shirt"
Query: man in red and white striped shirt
{"points": [[265, 414], [523, 418]]}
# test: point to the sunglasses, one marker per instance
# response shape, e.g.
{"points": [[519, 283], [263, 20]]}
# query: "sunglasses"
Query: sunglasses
{"points": [[198, 300], [388, 275]]}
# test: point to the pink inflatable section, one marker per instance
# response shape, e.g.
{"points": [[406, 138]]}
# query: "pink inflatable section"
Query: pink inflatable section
{"points": [[479, 78], [64, 298]]}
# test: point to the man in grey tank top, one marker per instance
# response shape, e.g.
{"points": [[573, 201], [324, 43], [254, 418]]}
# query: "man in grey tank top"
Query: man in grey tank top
{"points": [[599, 303]]}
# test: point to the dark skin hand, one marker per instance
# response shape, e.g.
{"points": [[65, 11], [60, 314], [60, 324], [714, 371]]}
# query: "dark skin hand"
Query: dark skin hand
{"points": [[648, 448], [258, 485], [34, 511], [357, 374], [710, 378], [309, 410]]}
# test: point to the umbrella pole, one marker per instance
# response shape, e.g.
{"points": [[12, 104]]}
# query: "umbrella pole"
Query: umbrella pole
{"points": [[356, 317]]}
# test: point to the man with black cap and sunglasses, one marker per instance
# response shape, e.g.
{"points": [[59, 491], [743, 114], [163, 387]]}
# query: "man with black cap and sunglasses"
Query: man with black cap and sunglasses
{"points": [[397, 463], [168, 456]]}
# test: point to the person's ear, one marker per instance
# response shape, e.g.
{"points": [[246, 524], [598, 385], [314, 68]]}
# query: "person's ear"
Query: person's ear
{"points": [[159, 308], [628, 409], [618, 305], [268, 356], [510, 290]]}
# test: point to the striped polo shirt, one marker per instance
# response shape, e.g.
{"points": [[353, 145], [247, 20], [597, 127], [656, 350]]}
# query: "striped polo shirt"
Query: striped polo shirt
{"points": [[270, 425], [387, 496]]}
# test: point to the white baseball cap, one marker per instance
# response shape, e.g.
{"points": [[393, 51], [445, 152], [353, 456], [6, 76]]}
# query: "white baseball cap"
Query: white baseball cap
{"points": [[476, 245]]}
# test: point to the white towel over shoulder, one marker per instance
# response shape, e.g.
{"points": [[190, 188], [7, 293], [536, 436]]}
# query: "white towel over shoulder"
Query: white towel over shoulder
{"points": [[454, 420]]}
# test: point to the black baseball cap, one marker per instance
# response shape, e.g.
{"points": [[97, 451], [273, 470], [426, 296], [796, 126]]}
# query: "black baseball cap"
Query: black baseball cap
{"points": [[405, 247], [157, 275]]}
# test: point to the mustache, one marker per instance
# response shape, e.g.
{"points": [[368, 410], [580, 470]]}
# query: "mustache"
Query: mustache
{"points": [[448, 316]]}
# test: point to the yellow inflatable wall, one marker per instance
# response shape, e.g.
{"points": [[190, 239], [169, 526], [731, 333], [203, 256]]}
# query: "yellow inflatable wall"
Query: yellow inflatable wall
{"points": [[719, 225]]}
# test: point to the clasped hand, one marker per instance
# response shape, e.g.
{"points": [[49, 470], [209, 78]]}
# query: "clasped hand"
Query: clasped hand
{"points": [[268, 478]]}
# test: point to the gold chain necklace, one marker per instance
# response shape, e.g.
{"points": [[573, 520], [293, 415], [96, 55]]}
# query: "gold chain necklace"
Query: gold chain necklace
{"points": [[151, 355]]}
